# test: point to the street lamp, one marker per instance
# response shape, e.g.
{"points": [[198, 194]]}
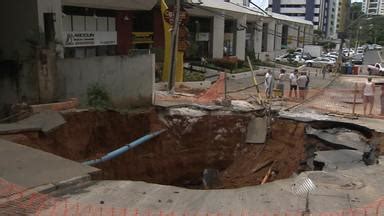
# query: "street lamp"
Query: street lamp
{"points": [[358, 38]]}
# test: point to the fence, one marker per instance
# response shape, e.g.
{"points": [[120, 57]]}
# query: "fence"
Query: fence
{"points": [[15, 200]]}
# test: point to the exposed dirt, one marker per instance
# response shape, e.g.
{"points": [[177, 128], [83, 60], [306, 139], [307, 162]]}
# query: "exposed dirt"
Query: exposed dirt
{"points": [[179, 156]]}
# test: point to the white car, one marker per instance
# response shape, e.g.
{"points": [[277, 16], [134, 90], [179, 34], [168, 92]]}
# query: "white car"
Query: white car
{"points": [[376, 69], [320, 62], [378, 47], [290, 58], [331, 55]]}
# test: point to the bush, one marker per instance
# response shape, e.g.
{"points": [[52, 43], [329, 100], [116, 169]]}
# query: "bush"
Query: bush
{"points": [[231, 63], [194, 77], [264, 63], [98, 97]]}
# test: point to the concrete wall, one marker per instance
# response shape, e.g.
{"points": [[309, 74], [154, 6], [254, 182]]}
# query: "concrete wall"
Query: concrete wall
{"points": [[18, 21], [17, 81], [52, 6], [128, 80]]}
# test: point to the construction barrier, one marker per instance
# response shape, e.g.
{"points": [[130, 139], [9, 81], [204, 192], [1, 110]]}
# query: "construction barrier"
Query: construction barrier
{"points": [[15, 200]]}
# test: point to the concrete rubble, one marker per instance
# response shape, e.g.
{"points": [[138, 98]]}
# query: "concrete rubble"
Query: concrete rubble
{"points": [[45, 122]]}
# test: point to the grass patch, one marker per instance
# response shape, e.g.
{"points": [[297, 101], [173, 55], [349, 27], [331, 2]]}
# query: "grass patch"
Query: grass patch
{"points": [[193, 77]]}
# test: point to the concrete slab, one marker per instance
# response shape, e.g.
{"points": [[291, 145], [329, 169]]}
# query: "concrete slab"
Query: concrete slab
{"points": [[340, 159], [340, 138], [257, 131], [335, 191], [45, 121], [308, 116], [28, 167]]}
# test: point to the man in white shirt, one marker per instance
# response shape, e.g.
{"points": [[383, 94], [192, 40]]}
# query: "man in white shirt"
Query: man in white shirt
{"points": [[293, 83], [302, 83], [268, 84]]}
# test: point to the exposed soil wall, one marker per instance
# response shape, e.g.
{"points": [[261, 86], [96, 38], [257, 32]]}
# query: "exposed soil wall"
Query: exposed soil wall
{"points": [[192, 143]]}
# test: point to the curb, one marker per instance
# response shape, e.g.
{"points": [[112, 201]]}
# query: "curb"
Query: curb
{"points": [[44, 189]]}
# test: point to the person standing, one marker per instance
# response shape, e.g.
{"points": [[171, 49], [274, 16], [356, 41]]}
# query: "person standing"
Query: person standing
{"points": [[281, 82], [268, 84], [302, 83], [324, 71], [307, 84], [293, 83], [368, 95], [382, 99]]}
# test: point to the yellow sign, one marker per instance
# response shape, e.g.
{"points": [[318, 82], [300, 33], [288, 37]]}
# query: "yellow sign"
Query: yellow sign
{"points": [[142, 37]]}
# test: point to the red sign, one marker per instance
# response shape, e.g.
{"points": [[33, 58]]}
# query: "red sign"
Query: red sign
{"points": [[169, 16]]}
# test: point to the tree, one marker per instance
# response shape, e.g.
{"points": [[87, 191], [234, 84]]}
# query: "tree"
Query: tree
{"points": [[356, 10]]}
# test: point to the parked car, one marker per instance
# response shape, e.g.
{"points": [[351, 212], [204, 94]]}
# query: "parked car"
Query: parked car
{"points": [[360, 51], [371, 47], [376, 69], [289, 57], [357, 59], [378, 47], [305, 56], [332, 55], [320, 62]]}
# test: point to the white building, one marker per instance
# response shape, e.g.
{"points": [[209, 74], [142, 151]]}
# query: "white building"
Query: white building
{"points": [[375, 7], [332, 19], [243, 29], [311, 10]]}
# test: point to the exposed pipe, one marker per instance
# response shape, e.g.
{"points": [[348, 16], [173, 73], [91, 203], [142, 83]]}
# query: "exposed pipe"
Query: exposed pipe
{"points": [[124, 149]]}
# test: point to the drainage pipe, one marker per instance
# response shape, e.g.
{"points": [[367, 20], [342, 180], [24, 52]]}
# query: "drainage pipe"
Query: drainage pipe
{"points": [[125, 148]]}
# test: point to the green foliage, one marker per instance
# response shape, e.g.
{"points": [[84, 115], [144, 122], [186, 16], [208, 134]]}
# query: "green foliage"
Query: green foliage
{"points": [[98, 97], [371, 31], [291, 51], [230, 63], [264, 63], [327, 45], [194, 77], [356, 10]]}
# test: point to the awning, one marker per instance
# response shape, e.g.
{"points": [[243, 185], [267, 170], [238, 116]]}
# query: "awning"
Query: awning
{"points": [[113, 4], [290, 18], [228, 7]]}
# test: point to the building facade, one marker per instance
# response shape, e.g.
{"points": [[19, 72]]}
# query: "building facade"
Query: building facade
{"points": [[343, 14], [374, 7], [332, 20], [312, 10], [325, 14]]}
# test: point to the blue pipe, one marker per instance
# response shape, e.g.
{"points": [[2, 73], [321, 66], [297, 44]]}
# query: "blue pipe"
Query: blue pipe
{"points": [[124, 149]]}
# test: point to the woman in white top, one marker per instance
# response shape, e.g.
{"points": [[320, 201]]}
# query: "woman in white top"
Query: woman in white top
{"points": [[368, 95]]}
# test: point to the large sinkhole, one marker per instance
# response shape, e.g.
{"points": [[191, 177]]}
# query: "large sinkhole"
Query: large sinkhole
{"points": [[198, 147]]}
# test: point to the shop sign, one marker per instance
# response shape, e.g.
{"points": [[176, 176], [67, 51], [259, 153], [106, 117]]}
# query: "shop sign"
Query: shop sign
{"points": [[202, 36], [142, 37], [169, 16], [82, 39]]}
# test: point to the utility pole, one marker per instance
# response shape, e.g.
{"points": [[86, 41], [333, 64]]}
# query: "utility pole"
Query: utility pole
{"points": [[174, 46], [302, 52], [358, 38]]}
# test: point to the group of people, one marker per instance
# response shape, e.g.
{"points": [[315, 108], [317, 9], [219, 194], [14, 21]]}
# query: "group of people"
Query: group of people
{"points": [[298, 83]]}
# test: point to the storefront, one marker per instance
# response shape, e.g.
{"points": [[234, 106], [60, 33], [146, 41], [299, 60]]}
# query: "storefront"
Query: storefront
{"points": [[88, 32]]}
